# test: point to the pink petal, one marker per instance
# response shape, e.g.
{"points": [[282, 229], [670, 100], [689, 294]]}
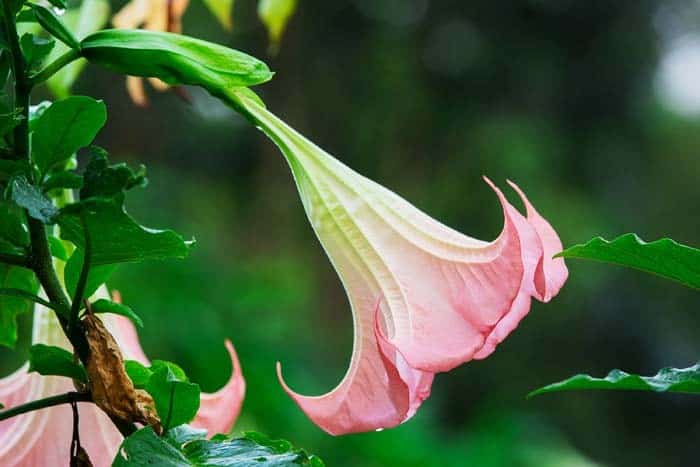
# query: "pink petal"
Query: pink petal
{"points": [[552, 274], [42, 438], [218, 411], [444, 298], [372, 395]]}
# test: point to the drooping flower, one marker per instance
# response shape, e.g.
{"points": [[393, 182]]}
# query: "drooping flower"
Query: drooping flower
{"points": [[425, 298], [153, 15], [42, 438]]}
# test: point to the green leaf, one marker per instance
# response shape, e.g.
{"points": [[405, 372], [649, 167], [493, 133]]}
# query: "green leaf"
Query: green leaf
{"points": [[33, 200], [116, 237], [275, 14], [35, 49], [87, 18], [58, 249], [66, 126], [184, 447], [663, 257], [14, 277], [222, 9], [54, 26], [48, 360], [685, 380], [13, 225], [63, 179], [174, 58], [107, 306], [97, 276], [138, 373], [176, 400], [107, 181]]}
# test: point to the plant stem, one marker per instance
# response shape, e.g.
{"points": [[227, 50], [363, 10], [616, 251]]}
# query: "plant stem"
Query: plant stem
{"points": [[52, 68], [82, 280], [44, 403], [19, 293], [22, 87], [40, 260]]}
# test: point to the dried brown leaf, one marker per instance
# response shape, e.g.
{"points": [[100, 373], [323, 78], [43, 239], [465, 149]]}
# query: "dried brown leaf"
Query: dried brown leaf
{"points": [[112, 389]]}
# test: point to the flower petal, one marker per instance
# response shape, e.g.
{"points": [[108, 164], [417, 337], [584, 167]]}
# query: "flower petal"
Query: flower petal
{"points": [[43, 437], [552, 274], [444, 298], [218, 411]]}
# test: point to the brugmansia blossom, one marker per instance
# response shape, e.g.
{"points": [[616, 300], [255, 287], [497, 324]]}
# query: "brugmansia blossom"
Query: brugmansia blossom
{"points": [[153, 15], [425, 298], [41, 438]]}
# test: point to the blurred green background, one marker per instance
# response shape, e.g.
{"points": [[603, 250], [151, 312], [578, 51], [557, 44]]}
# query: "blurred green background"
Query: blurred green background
{"points": [[588, 105]]}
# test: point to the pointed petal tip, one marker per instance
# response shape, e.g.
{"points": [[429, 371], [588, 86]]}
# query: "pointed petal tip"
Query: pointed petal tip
{"points": [[218, 411]]}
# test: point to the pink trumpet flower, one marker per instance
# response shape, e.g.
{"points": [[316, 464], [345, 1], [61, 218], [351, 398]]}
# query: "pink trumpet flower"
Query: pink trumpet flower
{"points": [[43, 437], [425, 298]]}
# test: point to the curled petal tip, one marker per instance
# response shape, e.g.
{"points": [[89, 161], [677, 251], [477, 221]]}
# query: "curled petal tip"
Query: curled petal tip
{"points": [[218, 411]]}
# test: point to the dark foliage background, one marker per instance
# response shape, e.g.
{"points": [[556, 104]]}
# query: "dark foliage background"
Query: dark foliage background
{"points": [[425, 97]]}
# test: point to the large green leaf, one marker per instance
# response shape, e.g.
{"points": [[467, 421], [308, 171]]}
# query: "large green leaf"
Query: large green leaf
{"points": [[87, 18], [174, 58], [686, 380], [115, 236], [189, 448], [664, 257], [50, 360], [64, 127], [13, 277]]}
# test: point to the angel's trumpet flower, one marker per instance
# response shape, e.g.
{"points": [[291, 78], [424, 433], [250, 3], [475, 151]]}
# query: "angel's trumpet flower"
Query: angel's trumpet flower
{"points": [[425, 298], [41, 438]]}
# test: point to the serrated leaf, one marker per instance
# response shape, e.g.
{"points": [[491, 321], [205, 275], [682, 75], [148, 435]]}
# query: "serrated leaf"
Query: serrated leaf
{"points": [[89, 17], [107, 306], [14, 277], [33, 200], [103, 180], [146, 448], [176, 401], [275, 14], [63, 128], [685, 380], [174, 58], [116, 237], [48, 360], [54, 26], [664, 257], [222, 9]]}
